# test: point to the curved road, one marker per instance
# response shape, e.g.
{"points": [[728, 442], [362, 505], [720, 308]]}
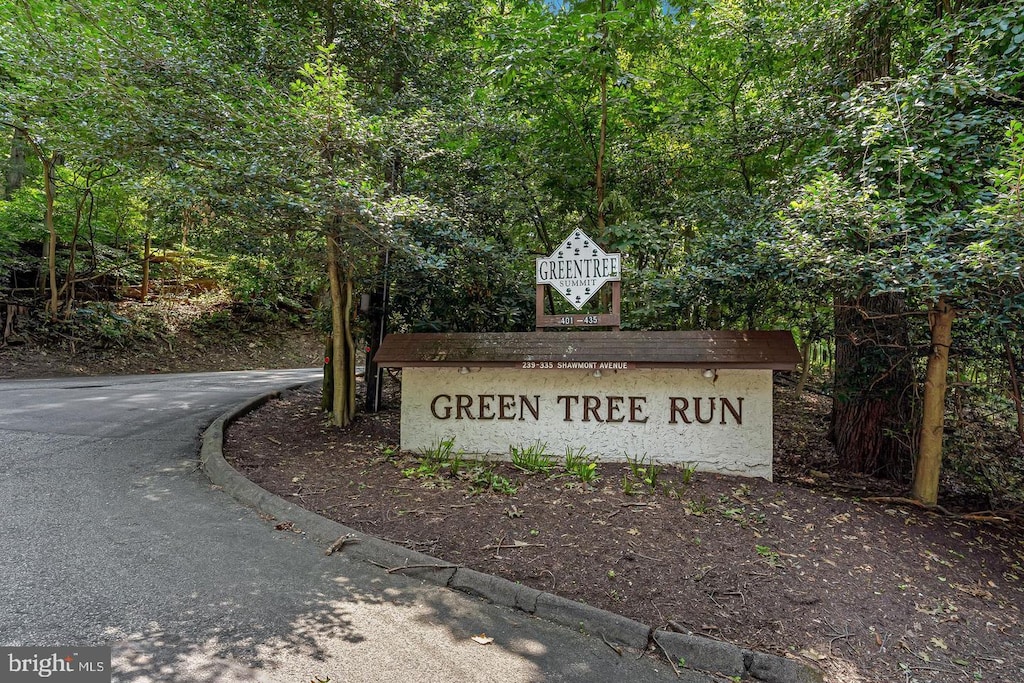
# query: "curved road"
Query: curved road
{"points": [[112, 536]]}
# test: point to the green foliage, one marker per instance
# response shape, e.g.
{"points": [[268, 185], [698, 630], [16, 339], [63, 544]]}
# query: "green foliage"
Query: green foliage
{"points": [[484, 478], [533, 458], [756, 170], [644, 470], [687, 470], [581, 464], [100, 321]]}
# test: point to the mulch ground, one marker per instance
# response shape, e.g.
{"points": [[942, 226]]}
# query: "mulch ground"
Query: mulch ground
{"points": [[806, 566]]}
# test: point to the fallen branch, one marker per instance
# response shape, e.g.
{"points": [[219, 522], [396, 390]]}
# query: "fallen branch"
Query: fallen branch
{"points": [[971, 516], [646, 557], [340, 543], [515, 544], [677, 627], [402, 568], [615, 648], [667, 656]]}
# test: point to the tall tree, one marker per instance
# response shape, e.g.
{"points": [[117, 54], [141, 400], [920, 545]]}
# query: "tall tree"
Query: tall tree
{"points": [[903, 222]]}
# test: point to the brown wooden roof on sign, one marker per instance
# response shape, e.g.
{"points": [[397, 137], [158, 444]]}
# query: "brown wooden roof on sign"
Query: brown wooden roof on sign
{"points": [[702, 349]]}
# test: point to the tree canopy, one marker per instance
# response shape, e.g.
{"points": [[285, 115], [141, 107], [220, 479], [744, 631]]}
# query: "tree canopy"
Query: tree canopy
{"points": [[847, 170]]}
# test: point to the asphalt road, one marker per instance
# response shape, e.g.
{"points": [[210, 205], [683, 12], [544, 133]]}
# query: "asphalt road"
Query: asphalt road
{"points": [[110, 535]]}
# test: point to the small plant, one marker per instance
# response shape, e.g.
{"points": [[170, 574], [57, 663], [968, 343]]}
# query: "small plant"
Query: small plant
{"points": [[440, 451], [770, 556], [645, 470], [456, 463], [436, 457], [687, 470], [670, 491], [483, 478], [581, 464], [627, 485], [698, 508], [532, 458]]}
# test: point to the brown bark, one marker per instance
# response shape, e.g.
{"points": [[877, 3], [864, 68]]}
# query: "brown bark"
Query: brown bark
{"points": [[327, 386], [805, 368], [603, 132], [49, 164], [343, 357], [871, 35], [1015, 394], [929, 455], [873, 374], [147, 255], [16, 165]]}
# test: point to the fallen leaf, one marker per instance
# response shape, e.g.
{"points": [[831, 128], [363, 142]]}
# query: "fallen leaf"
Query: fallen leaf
{"points": [[483, 639], [939, 642], [633, 532], [976, 591]]}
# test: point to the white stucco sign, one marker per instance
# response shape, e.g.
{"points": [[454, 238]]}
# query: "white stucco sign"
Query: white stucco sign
{"points": [[578, 268], [720, 422]]}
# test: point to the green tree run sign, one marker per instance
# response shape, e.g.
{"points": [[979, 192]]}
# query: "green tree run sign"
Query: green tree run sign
{"points": [[578, 268], [698, 397]]}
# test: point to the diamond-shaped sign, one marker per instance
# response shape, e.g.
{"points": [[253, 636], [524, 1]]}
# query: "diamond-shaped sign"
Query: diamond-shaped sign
{"points": [[578, 268]]}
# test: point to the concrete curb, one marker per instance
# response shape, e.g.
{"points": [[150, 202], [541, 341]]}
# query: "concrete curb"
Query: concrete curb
{"points": [[696, 652]]}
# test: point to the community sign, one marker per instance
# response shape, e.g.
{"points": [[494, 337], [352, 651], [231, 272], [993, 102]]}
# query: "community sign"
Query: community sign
{"points": [[578, 268]]}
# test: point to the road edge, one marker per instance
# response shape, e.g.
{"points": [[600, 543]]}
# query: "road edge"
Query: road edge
{"points": [[697, 652]]}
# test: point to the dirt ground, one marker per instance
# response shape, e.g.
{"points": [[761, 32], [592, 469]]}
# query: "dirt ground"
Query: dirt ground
{"points": [[810, 566], [179, 346]]}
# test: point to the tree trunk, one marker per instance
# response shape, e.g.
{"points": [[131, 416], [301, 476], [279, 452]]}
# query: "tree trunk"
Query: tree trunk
{"points": [[16, 165], [378, 319], [805, 369], [603, 130], [929, 454], [343, 357], [147, 254], [327, 386], [49, 162], [873, 375], [1015, 394]]}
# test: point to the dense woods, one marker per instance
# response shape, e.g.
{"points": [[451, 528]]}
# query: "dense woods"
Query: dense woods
{"points": [[847, 170]]}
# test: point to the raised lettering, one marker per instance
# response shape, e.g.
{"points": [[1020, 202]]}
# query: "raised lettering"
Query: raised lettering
{"points": [[534, 408], [447, 408], [568, 405], [677, 409], [463, 404], [737, 414], [591, 404], [484, 403], [696, 411], [612, 414], [506, 403], [636, 406]]}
